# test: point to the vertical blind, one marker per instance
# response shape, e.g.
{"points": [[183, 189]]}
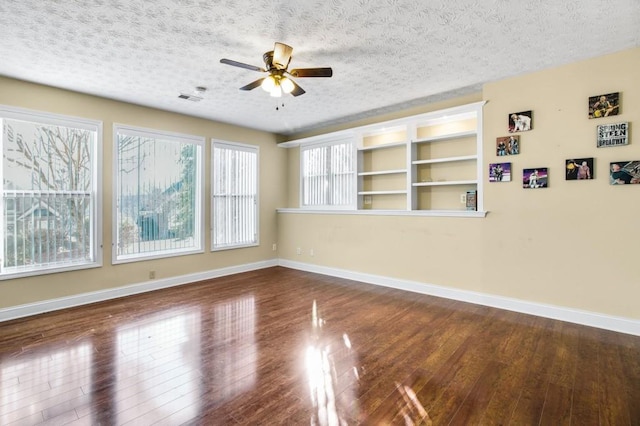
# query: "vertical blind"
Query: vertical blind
{"points": [[328, 175], [234, 195]]}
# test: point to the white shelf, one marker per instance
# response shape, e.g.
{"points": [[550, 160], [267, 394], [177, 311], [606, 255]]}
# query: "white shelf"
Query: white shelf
{"points": [[383, 172], [446, 137], [446, 159], [378, 212], [446, 182], [398, 191], [382, 146]]}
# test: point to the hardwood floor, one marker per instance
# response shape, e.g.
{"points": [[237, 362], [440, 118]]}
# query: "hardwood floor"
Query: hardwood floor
{"points": [[284, 347]]}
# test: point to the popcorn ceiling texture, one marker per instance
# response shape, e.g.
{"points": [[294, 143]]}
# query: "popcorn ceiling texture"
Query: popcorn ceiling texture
{"points": [[386, 55]]}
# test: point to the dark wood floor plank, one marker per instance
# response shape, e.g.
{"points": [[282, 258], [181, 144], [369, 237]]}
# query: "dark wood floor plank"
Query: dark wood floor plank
{"points": [[557, 406], [614, 399], [585, 407], [473, 408], [534, 388], [280, 346], [515, 355]]}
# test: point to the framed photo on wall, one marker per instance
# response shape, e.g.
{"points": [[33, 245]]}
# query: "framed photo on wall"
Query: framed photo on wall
{"points": [[535, 178], [520, 121], [604, 105], [616, 134], [500, 172], [625, 172], [508, 145], [579, 169]]}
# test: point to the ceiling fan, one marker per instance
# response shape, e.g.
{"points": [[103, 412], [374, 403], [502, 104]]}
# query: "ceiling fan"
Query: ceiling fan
{"points": [[276, 64]]}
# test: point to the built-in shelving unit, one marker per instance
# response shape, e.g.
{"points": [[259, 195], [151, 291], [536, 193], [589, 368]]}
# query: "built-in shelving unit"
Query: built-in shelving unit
{"points": [[446, 151], [382, 169], [423, 164]]}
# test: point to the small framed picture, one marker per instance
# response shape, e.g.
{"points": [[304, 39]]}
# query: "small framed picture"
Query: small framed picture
{"points": [[616, 134], [520, 121], [500, 172], [624, 172], [604, 105], [508, 145], [535, 178], [579, 168]]}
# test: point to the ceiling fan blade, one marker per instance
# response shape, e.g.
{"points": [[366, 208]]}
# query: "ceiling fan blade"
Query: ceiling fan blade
{"points": [[242, 65], [281, 55], [311, 72], [297, 90], [252, 85]]}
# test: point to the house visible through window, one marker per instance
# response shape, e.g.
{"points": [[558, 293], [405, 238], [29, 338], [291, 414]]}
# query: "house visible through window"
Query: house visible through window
{"points": [[158, 187], [50, 192], [328, 175], [234, 201]]}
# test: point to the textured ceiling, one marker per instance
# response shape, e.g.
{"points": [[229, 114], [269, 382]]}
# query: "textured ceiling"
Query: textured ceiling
{"points": [[386, 55]]}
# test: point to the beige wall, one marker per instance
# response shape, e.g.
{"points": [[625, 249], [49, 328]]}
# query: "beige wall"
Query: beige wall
{"points": [[570, 245], [272, 195]]}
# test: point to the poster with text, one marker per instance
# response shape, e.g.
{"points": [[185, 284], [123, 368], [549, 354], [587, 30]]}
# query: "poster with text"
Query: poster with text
{"points": [[616, 134]]}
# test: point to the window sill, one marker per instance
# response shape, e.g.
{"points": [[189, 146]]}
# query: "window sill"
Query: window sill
{"points": [[431, 213]]}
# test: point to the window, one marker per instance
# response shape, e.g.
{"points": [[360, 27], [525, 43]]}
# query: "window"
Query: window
{"points": [[158, 191], [50, 193], [328, 175], [234, 200]]}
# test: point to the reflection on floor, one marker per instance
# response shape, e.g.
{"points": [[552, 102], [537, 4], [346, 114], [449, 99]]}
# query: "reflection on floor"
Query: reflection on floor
{"points": [[285, 347]]}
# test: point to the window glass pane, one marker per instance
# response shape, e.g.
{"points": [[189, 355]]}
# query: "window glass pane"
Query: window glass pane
{"points": [[158, 195], [234, 195], [48, 198], [328, 175]]}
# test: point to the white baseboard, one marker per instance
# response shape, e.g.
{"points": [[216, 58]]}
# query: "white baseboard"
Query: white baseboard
{"points": [[26, 310], [592, 319]]}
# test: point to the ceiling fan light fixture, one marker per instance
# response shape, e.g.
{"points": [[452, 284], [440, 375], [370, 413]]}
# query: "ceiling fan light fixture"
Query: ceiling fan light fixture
{"points": [[276, 63], [268, 84], [286, 84], [276, 92]]}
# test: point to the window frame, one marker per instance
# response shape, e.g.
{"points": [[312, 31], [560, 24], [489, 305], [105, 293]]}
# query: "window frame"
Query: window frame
{"points": [[199, 142], [241, 147], [349, 141], [96, 244]]}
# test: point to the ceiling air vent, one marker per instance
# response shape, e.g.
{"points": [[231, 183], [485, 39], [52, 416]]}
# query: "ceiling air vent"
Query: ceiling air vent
{"points": [[196, 96]]}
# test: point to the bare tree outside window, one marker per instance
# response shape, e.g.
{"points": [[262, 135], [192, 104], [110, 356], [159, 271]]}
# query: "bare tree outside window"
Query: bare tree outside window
{"points": [[48, 194]]}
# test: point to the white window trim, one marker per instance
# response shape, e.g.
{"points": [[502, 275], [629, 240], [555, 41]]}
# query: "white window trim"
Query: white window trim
{"points": [[199, 223], [334, 141], [43, 117], [244, 147]]}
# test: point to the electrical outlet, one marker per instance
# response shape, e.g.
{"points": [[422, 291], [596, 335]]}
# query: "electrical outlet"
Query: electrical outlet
{"points": [[463, 198], [152, 275], [298, 251], [311, 252], [274, 247]]}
